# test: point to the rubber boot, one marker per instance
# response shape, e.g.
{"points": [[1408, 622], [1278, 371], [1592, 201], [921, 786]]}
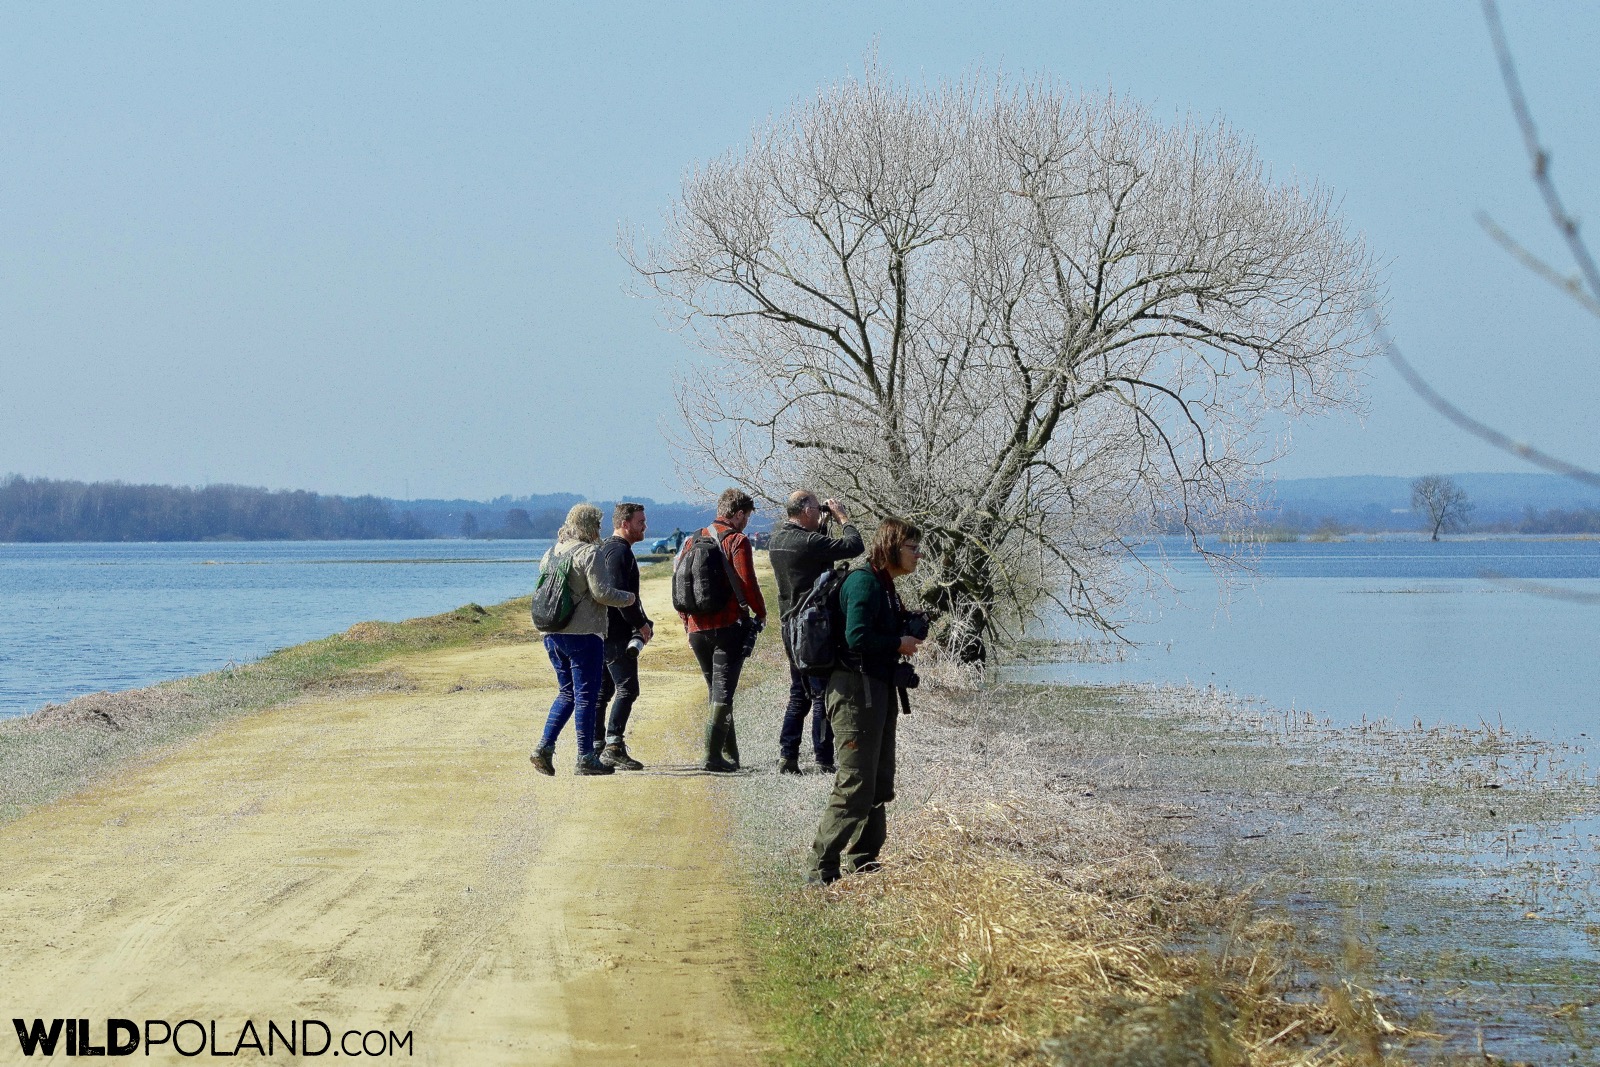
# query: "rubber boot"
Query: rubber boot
{"points": [[730, 742], [716, 736]]}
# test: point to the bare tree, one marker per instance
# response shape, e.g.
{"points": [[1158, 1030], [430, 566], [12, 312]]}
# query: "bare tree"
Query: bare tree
{"points": [[1038, 325], [1443, 501]]}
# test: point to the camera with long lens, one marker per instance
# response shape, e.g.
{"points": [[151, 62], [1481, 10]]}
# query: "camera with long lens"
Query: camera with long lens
{"points": [[635, 645]]}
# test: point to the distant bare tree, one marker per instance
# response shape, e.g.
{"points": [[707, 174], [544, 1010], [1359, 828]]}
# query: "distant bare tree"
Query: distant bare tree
{"points": [[1038, 325], [1443, 501]]}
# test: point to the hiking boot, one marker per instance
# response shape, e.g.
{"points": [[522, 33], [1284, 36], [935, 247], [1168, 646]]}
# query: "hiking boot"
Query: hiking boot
{"points": [[540, 758], [822, 878], [617, 756], [827, 768], [589, 763], [718, 765], [789, 765]]}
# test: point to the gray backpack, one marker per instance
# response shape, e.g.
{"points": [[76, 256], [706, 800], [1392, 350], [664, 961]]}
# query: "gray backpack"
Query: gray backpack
{"points": [[813, 629]]}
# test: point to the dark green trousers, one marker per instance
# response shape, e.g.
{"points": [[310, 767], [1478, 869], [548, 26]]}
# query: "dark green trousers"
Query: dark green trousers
{"points": [[863, 712]]}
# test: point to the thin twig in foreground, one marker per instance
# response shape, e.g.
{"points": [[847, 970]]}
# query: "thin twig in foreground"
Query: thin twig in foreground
{"points": [[1478, 429], [1536, 151]]}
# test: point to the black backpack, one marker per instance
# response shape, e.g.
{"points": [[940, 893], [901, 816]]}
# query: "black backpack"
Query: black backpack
{"points": [[811, 630], [702, 578], [553, 602]]}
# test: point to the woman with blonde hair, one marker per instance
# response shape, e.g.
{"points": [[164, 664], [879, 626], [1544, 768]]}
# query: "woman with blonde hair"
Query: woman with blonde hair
{"points": [[577, 649]]}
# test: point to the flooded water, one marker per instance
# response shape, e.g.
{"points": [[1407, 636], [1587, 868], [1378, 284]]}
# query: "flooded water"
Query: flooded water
{"points": [[78, 618], [1401, 629]]}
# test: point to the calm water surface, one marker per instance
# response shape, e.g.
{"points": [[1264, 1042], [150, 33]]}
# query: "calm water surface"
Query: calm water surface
{"points": [[1399, 629], [84, 617], [1403, 629]]}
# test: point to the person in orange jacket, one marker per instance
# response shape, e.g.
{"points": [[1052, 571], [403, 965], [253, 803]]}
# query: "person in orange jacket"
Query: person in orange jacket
{"points": [[722, 639]]}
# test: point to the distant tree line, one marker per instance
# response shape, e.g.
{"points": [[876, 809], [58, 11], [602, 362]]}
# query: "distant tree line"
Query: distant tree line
{"points": [[1579, 520], [43, 509], [540, 516], [1560, 521]]}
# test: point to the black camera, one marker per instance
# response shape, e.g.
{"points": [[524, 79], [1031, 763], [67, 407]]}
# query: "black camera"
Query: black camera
{"points": [[914, 624], [905, 676], [635, 645], [752, 630]]}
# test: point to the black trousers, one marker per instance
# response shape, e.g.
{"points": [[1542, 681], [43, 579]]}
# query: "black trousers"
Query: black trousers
{"points": [[720, 653], [619, 687]]}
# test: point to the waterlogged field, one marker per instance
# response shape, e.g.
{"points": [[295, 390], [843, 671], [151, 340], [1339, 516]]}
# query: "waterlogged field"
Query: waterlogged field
{"points": [[1405, 630], [85, 617], [1390, 740]]}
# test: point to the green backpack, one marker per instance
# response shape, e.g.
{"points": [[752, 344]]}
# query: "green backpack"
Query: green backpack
{"points": [[553, 603]]}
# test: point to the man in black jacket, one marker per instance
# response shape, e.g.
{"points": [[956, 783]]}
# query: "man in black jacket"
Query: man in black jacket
{"points": [[801, 550], [627, 631]]}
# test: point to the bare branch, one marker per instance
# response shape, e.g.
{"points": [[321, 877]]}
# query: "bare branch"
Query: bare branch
{"points": [[1478, 429], [1572, 285], [1564, 222]]}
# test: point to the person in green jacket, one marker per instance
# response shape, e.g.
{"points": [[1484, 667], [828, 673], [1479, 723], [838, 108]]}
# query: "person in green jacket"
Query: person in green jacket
{"points": [[862, 707]]}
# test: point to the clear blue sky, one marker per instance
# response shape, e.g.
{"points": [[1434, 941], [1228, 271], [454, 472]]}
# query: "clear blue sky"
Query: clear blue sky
{"points": [[372, 247]]}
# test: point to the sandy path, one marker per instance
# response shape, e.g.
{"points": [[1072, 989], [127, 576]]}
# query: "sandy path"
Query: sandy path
{"points": [[391, 862]]}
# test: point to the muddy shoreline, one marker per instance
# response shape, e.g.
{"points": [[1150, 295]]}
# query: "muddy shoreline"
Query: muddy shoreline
{"points": [[1451, 870]]}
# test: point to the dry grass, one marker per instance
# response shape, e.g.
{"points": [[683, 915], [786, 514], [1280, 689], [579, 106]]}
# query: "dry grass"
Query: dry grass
{"points": [[1027, 911], [1021, 927]]}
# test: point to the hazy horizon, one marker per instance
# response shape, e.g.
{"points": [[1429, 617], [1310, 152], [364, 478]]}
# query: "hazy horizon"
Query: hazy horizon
{"points": [[372, 248]]}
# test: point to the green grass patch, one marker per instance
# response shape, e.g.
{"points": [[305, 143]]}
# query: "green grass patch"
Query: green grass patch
{"points": [[809, 992]]}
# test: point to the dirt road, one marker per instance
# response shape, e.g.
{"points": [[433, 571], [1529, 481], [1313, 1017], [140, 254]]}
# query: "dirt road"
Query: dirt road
{"points": [[390, 862]]}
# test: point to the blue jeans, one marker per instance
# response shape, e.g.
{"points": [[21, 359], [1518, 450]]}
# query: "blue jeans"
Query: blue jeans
{"points": [[806, 694], [579, 660]]}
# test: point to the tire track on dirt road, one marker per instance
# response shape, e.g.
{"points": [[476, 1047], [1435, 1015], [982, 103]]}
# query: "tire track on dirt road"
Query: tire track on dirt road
{"points": [[390, 861]]}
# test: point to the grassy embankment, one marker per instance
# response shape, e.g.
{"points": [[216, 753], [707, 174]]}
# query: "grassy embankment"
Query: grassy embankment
{"points": [[62, 747], [1019, 920]]}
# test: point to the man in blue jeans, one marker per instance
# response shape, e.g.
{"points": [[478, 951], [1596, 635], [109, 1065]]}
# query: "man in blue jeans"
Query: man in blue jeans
{"points": [[801, 549]]}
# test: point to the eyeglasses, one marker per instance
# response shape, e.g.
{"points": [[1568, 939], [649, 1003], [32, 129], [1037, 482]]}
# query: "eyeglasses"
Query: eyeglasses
{"points": [[915, 550]]}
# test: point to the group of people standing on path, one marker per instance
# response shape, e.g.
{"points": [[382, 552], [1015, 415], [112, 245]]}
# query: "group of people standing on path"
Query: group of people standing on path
{"points": [[852, 706]]}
